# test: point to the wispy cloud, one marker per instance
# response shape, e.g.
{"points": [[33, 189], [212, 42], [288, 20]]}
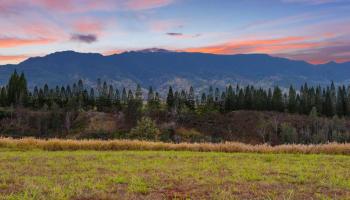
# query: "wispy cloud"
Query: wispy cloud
{"points": [[313, 2], [174, 34], [182, 35], [65, 6], [331, 51]]}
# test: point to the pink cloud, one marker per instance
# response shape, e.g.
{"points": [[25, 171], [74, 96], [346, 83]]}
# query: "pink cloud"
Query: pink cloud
{"points": [[81, 5], [88, 25], [146, 4], [164, 25], [31, 29]]}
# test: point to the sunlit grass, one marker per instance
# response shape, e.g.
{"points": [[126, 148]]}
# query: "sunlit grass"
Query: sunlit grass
{"points": [[115, 145], [38, 174]]}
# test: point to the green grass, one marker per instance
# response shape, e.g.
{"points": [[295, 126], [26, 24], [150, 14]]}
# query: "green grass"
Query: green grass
{"points": [[155, 175]]}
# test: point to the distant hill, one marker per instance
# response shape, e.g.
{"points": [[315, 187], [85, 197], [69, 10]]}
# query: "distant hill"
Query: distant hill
{"points": [[161, 68]]}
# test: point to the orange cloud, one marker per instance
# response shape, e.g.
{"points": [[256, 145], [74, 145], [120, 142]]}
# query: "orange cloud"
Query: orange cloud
{"points": [[112, 52], [315, 50], [258, 46], [15, 42], [12, 59]]}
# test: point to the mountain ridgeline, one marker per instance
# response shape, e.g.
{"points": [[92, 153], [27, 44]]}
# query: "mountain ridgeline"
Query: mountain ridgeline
{"points": [[162, 68]]}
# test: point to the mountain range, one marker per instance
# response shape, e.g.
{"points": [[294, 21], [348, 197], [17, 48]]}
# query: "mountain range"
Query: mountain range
{"points": [[160, 68]]}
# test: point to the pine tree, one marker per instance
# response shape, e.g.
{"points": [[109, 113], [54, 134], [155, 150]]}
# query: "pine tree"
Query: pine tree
{"points": [[248, 97], [210, 98], [318, 99], [229, 99], [151, 100], [328, 104], [17, 91], [240, 103], [80, 86], [170, 100], [23, 90], [269, 100], [13, 89], [117, 100], [157, 101], [138, 93], [191, 99], [277, 100], [124, 97], [204, 99], [217, 95], [92, 98], [111, 95], [150, 96], [133, 109], [292, 100], [333, 95], [3, 97]]}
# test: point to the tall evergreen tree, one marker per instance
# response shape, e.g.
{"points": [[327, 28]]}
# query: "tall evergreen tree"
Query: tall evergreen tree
{"points": [[170, 100], [191, 99], [277, 100], [292, 100]]}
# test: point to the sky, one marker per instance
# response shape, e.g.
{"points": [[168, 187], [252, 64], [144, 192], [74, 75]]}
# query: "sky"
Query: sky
{"points": [[317, 31]]}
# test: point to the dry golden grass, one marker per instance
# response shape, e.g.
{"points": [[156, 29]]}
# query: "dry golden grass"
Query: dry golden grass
{"points": [[115, 145]]}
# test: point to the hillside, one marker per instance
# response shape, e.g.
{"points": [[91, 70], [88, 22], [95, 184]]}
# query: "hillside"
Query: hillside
{"points": [[161, 68]]}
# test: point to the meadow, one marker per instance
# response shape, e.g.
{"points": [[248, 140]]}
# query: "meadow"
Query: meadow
{"points": [[29, 169]]}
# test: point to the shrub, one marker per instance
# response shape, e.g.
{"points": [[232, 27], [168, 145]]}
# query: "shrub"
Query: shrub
{"points": [[188, 135], [146, 129], [288, 134]]}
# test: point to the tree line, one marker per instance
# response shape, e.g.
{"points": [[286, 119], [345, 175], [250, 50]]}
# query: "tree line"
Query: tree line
{"points": [[325, 101]]}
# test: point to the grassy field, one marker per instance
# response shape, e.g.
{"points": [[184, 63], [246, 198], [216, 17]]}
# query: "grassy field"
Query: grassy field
{"points": [[80, 175]]}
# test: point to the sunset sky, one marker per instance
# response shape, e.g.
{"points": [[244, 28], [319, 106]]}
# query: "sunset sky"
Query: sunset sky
{"points": [[317, 31]]}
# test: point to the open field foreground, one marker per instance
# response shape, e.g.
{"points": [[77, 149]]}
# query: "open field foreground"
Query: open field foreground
{"points": [[117, 145], [80, 175]]}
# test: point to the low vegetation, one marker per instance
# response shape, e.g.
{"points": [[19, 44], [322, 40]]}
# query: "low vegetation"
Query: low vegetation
{"points": [[243, 114], [82, 175], [117, 145]]}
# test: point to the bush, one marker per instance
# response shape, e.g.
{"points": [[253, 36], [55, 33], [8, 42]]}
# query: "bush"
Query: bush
{"points": [[189, 135], [146, 129], [288, 134]]}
